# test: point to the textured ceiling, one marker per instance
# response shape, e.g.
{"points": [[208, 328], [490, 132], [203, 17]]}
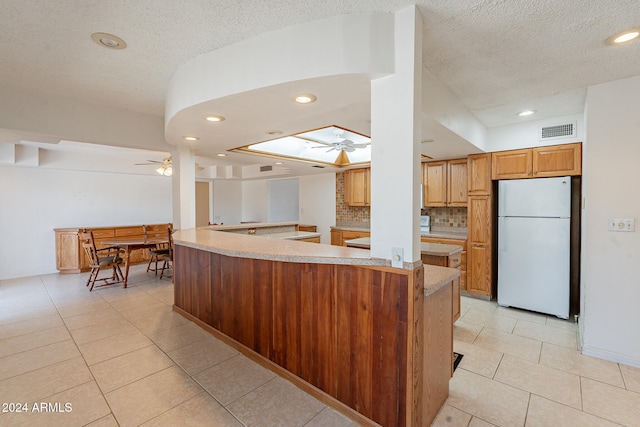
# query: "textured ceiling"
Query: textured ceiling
{"points": [[496, 56]]}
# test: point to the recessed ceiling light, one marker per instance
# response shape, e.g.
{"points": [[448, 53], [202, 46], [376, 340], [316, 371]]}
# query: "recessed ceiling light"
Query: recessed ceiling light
{"points": [[624, 36], [279, 163], [191, 138], [108, 40], [526, 113], [213, 118], [221, 155], [305, 98]]}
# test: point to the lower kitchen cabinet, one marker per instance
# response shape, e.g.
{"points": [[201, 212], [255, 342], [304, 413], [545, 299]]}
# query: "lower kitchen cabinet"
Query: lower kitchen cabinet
{"points": [[479, 263], [339, 236], [463, 256], [71, 257], [479, 269]]}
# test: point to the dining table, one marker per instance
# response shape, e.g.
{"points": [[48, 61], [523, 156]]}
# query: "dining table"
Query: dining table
{"points": [[132, 244]]}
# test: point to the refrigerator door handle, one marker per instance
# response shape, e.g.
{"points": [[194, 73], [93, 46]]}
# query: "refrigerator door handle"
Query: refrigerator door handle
{"points": [[501, 240]]}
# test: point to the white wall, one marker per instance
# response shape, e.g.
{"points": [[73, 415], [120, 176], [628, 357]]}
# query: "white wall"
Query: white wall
{"points": [[283, 200], [318, 203], [227, 202], [610, 267], [254, 200], [525, 135], [34, 201]]}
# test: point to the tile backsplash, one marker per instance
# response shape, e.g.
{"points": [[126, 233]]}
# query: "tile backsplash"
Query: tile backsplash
{"points": [[349, 214], [447, 217], [361, 215]]}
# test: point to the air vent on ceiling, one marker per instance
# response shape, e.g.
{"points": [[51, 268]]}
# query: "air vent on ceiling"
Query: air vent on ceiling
{"points": [[266, 168], [563, 130]]}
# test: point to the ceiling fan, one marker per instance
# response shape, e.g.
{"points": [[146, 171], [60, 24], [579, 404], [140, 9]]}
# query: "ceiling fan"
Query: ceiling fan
{"points": [[342, 144], [165, 166]]}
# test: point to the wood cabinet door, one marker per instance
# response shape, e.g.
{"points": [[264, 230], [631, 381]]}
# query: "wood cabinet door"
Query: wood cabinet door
{"points": [[479, 273], [479, 246], [356, 187], [557, 160], [455, 300], [479, 174], [434, 178], [457, 182], [68, 251], [336, 237], [479, 219], [512, 164]]}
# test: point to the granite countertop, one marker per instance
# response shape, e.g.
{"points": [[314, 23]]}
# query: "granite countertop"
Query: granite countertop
{"points": [[352, 227], [435, 277], [248, 225], [292, 235], [286, 250], [435, 249], [455, 233]]}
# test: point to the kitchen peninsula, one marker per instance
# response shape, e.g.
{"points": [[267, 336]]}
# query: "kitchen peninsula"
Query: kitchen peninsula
{"points": [[274, 230], [372, 341]]}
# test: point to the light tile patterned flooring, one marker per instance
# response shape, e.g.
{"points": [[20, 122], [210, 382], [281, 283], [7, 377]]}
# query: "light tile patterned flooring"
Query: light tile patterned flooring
{"points": [[123, 357], [523, 369]]}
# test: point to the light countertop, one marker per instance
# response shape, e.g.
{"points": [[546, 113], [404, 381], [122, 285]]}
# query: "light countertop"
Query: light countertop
{"points": [[435, 249], [454, 233], [435, 277], [273, 249], [248, 225], [292, 235]]}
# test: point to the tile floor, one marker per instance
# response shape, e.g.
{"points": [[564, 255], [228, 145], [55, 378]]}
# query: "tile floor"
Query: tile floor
{"points": [[523, 369], [122, 357]]}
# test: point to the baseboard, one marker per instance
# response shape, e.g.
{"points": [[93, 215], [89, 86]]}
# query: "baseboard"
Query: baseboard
{"points": [[611, 356]]}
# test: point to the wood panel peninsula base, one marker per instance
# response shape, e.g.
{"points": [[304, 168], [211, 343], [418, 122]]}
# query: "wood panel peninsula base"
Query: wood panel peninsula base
{"points": [[367, 339]]}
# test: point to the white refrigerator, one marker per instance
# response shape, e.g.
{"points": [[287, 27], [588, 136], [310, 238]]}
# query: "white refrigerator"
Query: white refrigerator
{"points": [[534, 233]]}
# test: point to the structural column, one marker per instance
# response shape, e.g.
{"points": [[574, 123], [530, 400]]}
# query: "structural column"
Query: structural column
{"points": [[395, 153], [184, 188]]}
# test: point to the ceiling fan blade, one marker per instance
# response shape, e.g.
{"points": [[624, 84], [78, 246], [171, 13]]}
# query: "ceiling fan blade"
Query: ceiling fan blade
{"points": [[330, 149], [358, 145], [349, 148]]}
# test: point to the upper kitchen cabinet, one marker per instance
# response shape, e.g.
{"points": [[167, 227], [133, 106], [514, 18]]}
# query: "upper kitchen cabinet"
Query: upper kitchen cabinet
{"points": [[457, 182], [479, 174], [557, 160], [357, 191], [445, 183], [512, 164], [434, 180], [539, 162]]}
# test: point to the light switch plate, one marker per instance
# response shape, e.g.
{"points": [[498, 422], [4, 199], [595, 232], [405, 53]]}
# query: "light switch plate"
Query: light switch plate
{"points": [[397, 257], [621, 224]]}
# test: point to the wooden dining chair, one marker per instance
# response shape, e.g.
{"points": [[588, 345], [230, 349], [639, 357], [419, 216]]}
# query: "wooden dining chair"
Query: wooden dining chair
{"points": [[167, 259], [160, 249], [99, 259]]}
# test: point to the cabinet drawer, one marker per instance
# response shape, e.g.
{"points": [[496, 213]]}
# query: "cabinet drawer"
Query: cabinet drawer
{"points": [[434, 260], [454, 260], [103, 234], [310, 240], [348, 235], [129, 232]]}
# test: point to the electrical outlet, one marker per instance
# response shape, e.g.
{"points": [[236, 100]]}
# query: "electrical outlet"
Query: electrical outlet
{"points": [[397, 257], [621, 224]]}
